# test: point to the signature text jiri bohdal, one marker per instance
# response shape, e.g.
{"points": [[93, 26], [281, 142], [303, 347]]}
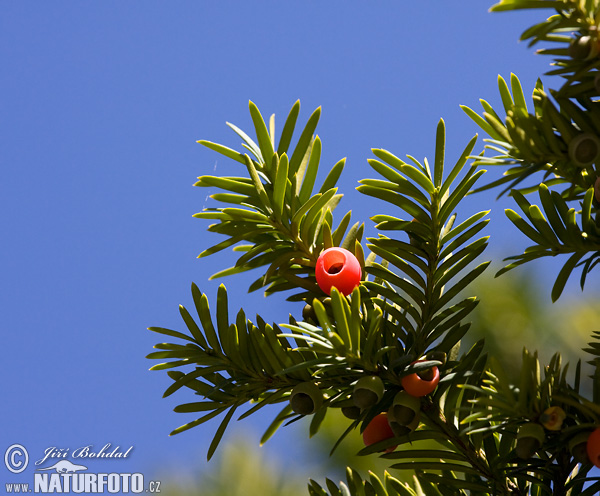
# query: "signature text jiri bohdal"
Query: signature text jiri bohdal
{"points": [[88, 451]]}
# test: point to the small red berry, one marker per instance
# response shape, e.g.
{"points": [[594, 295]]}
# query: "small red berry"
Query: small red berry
{"points": [[339, 268], [378, 430], [421, 385], [593, 447]]}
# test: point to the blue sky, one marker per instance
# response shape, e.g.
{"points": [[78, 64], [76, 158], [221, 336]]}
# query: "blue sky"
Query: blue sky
{"points": [[102, 104]]}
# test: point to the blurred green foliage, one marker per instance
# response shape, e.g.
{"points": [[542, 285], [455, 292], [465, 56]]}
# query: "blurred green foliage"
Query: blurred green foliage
{"points": [[239, 469], [515, 312]]}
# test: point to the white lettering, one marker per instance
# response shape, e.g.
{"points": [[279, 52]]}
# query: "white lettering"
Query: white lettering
{"points": [[54, 486], [137, 483], [53, 452], [125, 478], [82, 452], [102, 454], [101, 482], [40, 483], [87, 452], [77, 483], [66, 482], [15, 463], [90, 483], [113, 483]]}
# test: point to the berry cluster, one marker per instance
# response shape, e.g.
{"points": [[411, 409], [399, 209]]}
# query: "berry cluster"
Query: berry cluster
{"points": [[339, 268], [401, 418], [584, 446]]}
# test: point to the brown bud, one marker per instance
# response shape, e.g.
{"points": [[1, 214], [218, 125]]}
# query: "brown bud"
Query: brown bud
{"points": [[530, 438], [582, 48], [405, 408], [306, 398], [308, 314], [402, 430], [440, 356], [404, 414], [351, 412], [368, 391], [584, 149], [597, 82], [578, 447]]}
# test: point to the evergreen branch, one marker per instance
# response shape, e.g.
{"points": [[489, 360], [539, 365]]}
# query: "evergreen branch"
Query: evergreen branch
{"points": [[408, 320], [557, 232], [287, 224], [546, 141], [427, 259]]}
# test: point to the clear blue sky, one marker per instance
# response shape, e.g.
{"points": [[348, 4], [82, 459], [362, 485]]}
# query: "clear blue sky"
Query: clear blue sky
{"points": [[102, 103]]}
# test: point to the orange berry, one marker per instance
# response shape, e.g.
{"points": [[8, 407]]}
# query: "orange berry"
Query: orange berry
{"points": [[593, 447], [418, 386], [378, 430], [339, 268]]}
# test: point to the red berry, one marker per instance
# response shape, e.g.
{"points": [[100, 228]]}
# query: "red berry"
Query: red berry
{"points": [[378, 430], [593, 447], [418, 386], [339, 268]]}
